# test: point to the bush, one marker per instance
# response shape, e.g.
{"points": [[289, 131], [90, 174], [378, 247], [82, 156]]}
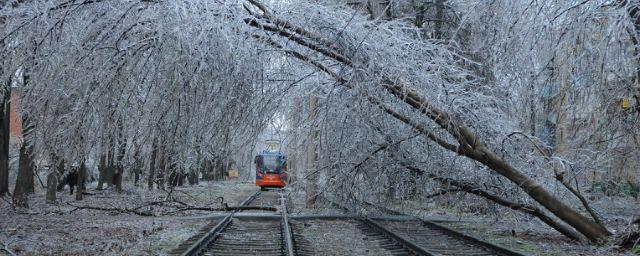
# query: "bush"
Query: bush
{"points": [[619, 187]]}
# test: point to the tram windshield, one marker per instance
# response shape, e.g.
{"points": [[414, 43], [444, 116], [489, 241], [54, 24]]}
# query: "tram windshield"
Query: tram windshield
{"points": [[271, 162]]}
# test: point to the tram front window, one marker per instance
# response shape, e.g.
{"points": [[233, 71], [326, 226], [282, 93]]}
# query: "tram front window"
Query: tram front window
{"points": [[271, 163]]}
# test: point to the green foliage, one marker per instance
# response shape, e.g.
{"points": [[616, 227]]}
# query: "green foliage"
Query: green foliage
{"points": [[629, 188], [636, 250], [621, 187]]}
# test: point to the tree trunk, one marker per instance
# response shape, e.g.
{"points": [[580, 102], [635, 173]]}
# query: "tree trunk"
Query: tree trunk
{"points": [[25, 173], [206, 170], [471, 147], [56, 168], [528, 209], [119, 171], [110, 170], [137, 167], [438, 31], [173, 181], [31, 171], [28, 155], [590, 229], [136, 176], [52, 185], [214, 169], [4, 172], [4, 141], [82, 169], [174, 174], [311, 175], [181, 177], [117, 178], [152, 165], [193, 177], [203, 169], [634, 14], [219, 169], [102, 166], [170, 172], [196, 177], [161, 171]]}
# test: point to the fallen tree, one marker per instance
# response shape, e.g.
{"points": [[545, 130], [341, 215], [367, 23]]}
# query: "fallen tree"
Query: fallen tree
{"points": [[467, 142], [180, 208]]}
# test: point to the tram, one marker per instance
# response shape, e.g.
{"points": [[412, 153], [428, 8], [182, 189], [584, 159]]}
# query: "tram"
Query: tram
{"points": [[271, 169]]}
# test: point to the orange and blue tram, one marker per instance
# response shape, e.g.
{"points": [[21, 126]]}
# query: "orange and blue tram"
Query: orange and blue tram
{"points": [[271, 170]]}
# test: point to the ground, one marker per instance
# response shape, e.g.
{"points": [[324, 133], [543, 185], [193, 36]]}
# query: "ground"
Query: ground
{"points": [[523, 233], [48, 229], [61, 229]]}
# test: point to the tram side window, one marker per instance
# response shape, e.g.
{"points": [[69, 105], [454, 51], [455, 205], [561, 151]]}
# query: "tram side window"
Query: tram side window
{"points": [[258, 162]]}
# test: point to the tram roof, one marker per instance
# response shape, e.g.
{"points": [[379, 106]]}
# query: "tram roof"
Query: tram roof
{"points": [[272, 153]]}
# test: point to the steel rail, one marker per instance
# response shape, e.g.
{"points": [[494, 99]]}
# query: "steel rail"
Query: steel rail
{"points": [[452, 232], [471, 239], [386, 232], [392, 235], [459, 235], [288, 235], [197, 247]]}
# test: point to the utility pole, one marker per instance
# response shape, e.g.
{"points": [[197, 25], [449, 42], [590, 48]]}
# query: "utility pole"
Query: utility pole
{"points": [[311, 173]]}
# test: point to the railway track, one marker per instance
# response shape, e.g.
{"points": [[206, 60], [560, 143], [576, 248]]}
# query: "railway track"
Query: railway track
{"points": [[265, 199], [356, 238], [428, 238], [233, 236], [259, 233]]}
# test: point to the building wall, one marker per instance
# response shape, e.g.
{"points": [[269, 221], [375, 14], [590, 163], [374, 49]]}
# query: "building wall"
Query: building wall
{"points": [[15, 119]]}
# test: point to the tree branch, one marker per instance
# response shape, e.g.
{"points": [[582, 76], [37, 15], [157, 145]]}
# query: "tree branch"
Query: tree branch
{"points": [[524, 208], [119, 210]]}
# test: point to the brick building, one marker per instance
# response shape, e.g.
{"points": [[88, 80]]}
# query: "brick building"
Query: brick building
{"points": [[15, 119]]}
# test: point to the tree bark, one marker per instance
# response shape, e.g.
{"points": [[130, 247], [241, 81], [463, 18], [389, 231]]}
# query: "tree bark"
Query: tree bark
{"points": [[31, 170], [27, 127], [634, 14], [181, 177], [4, 140], [53, 178], [161, 170], [220, 169], [173, 181], [117, 178], [25, 173], [109, 167], [136, 177], [207, 170], [438, 31], [214, 169], [193, 177], [82, 169], [102, 166], [152, 165], [52, 185], [471, 147], [137, 167], [119, 166], [528, 209], [311, 176], [170, 172]]}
